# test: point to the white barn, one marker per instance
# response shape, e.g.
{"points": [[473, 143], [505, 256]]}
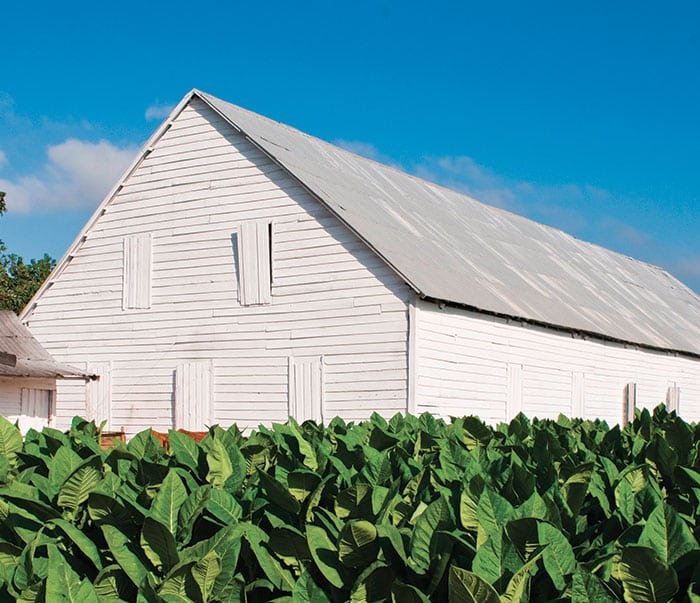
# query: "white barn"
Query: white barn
{"points": [[243, 271]]}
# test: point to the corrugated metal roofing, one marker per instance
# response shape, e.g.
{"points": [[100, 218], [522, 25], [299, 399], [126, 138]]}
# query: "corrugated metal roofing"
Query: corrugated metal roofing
{"points": [[450, 247], [32, 360]]}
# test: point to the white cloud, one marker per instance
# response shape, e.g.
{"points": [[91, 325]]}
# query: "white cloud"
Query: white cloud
{"points": [[3, 158], [158, 111], [77, 174]]}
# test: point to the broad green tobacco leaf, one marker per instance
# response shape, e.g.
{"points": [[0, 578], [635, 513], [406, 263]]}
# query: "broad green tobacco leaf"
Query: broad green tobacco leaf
{"points": [[158, 543], [205, 572], [280, 577], [645, 578], [358, 544], [373, 584], [86, 546], [302, 483], [77, 487], [224, 507], [64, 584], [169, 499], [558, 558], [466, 587], [496, 559], [185, 449], [10, 441], [307, 591], [325, 555], [587, 588], [278, 494], [493, 512], [668, 534], [219, 463], [436, 517], [124, 552]]}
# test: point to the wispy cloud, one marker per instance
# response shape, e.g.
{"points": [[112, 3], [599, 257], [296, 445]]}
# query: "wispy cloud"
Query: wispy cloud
{"points": [[158, 111], [76, 174], [3, 158]]}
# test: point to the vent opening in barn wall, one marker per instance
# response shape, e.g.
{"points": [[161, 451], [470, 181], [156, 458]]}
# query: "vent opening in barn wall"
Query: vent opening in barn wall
{"points": [[333, 252]]}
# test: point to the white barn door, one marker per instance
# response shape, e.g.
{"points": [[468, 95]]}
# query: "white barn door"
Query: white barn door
{"points": [[35, 409], [98, 402], [306, 389], [193, 395]]}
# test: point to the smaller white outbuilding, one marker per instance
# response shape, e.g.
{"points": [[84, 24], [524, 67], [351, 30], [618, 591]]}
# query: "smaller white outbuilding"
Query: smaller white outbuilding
{"points": [[28, 375]]}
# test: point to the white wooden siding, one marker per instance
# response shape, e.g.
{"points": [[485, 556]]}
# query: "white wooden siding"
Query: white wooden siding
{"points": [[468, 363], [306, 389], [137, 272], [331, 296], [254, 263], [99, 394], [193, 395]]}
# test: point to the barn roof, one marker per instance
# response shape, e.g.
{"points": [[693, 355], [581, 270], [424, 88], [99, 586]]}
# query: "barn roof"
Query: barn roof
{"points": [[452, 248], [23, 356]]}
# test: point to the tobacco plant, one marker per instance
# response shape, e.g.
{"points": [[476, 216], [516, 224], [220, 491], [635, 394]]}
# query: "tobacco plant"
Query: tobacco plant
{"points": [[412, 509]]}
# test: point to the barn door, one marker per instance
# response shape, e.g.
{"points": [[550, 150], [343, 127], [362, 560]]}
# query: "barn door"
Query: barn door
{"points": [[99, 393], [35, 409], [193, 395], [306, 389]]}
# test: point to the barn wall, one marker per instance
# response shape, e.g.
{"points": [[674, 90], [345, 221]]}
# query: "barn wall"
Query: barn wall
{"points": [[469, 363], [332, 299]]}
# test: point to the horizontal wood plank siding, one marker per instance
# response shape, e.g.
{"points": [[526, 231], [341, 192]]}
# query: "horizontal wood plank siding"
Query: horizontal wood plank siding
{"points": [[330, 295], [475, 364]]}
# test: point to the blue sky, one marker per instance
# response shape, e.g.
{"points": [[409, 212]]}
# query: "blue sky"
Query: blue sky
{"points": [[583, 116]]}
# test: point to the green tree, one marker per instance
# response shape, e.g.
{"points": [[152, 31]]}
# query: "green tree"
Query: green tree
{"points": [[19, 280]]}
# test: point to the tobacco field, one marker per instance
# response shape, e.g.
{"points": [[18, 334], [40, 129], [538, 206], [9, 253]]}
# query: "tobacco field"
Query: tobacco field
{"points": [[408, 510]]}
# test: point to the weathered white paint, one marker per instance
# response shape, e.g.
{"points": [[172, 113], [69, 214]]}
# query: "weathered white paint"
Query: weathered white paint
{"points": [[306, 389], [331, 296], [136, 292], [467, 364], [99, 393], [193, 395]]}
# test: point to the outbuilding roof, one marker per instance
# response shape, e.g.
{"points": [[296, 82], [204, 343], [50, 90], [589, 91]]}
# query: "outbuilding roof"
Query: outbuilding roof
{"points": [[450, 247], [23, 356]]}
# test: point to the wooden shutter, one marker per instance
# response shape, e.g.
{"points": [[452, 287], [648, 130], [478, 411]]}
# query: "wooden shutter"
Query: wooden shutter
{"points": [[136, 289], [254, 263], [514, 400], [306, 389], [99, 393], [578, 386], [673, 398], [35, 408], [193, 395], [629, 403]]}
